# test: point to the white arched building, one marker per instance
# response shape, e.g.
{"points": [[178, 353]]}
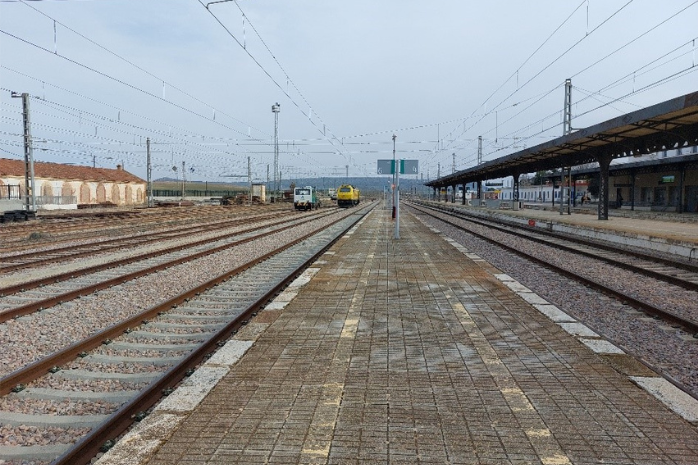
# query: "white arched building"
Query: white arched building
{"points": [[61, 186]]}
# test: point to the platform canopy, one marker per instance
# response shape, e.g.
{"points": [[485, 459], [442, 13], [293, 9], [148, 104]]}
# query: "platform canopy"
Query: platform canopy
{"points": [[667, 125]]}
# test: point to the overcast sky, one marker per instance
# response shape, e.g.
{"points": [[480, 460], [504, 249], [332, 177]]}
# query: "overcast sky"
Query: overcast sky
{"points": [[105, 75]]}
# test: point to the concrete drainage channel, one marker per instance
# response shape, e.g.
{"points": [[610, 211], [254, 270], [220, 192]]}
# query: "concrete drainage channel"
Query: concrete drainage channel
{"points": [[177, 332]]}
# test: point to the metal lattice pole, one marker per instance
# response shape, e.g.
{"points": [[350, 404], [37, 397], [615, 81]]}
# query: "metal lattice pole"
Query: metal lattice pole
{"points": [[276, 108], [567, 171], [30, 198]]}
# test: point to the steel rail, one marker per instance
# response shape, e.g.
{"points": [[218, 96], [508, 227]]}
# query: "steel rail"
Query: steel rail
{"points": [[90, 445], [99, 225], [689, 325], [8, 290], [689, 285], [116, 243], [64, 297]]}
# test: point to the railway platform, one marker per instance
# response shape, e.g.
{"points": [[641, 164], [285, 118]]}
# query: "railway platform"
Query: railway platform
{"points": [[414, 351]]}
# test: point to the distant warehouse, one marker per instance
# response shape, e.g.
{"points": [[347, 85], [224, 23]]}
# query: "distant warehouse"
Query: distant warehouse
{"points": [[61, 186]]}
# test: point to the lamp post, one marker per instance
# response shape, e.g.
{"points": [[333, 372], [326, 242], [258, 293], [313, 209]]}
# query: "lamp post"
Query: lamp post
{"points": [[276, 108]]}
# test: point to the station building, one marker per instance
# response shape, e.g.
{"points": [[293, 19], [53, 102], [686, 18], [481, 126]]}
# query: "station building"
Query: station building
{"points": [[652, 182], [60, 186]]}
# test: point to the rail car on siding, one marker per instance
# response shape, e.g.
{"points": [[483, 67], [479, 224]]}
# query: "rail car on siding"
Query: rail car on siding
{"points": [[348, 196], [16, 215], [305, 198]]}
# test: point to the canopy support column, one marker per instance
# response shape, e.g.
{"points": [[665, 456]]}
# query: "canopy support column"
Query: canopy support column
{"points": [[604, 163], [633, 177], [680, 194]]}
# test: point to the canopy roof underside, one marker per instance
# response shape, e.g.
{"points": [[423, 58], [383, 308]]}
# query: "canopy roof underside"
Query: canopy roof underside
{"points": [[664, 126]]}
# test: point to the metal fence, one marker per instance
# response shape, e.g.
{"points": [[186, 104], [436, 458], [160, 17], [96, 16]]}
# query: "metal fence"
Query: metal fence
{"points": [[194, 193], [9, 192], [56, 200]]}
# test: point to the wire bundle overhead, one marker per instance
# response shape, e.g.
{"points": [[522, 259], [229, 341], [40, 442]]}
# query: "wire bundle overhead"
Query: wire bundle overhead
{"points": [[101, 102]]}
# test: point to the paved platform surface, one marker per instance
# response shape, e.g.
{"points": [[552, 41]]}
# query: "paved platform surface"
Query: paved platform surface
{"points": [[416, 351]]}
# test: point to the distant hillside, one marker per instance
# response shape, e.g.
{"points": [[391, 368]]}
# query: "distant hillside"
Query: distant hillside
{"points": [[366, 184], [373, 185]]}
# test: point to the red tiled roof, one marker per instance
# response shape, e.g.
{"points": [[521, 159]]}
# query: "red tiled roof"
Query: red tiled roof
{"points": [[67, 172]]}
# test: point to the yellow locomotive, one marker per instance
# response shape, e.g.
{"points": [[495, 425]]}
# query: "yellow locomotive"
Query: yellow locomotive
{"points": [[347, 196]]}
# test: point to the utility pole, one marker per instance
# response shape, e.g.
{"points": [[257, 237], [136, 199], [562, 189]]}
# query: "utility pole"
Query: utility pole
{"points": [[396, 168], [183, 181], [479, 162], [30, 200], [566, 129], [393, 186], [567, 121], [276, 108], [149, 170], [249, 177], [453, 168]]}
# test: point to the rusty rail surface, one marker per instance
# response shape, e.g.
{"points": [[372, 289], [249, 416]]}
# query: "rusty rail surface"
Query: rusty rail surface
{"points": [[49, 302]]}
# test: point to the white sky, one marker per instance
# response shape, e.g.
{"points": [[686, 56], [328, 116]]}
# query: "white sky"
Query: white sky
{"points": [[104, 75]]}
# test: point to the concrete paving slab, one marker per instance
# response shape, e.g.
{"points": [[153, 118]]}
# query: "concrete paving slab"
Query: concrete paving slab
{"points": [[192, 390], [601, 347], [578, 329], [532, 298], [673, 397], [554, 313]]}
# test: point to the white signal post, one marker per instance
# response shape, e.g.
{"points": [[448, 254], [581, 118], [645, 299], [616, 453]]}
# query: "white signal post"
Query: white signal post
{"points": [[396, 166]]}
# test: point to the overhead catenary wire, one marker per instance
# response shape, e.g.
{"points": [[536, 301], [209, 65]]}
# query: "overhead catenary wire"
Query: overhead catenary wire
{"points": [[665, 79], [438, 150], [119, 81], [146, 131], [288, 78], [587, 68], [138, 67], [99, 121], [268, 74], [524, 108], [556, 59], [515, 73], [620, 81]]}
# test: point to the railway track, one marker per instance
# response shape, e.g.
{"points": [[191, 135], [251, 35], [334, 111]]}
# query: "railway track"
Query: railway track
{"points": [[42, 258], [21, 245], [117, 374], [657, 272], [677, 272], [28, 297]]}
